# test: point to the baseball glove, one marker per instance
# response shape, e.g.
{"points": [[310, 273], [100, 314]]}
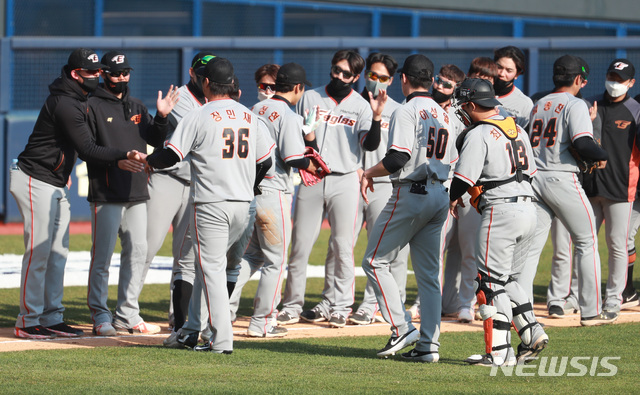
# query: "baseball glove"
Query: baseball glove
{"points": [[309, 178], [586, 166], [476, 193]]}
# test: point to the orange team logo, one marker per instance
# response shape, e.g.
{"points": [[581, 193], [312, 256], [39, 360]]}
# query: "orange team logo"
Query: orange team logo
{"points": [[136, 118], [622, 124]]}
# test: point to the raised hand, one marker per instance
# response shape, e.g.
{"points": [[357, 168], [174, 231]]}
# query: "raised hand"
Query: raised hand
{"points": [[377, 104], [166, 104]]}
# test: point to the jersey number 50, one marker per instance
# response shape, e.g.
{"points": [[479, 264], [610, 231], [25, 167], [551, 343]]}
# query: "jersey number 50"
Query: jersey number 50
{"points": [[437, 144], [230, 143]]}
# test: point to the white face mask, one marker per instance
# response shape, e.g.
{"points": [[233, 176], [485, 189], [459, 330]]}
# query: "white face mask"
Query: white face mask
{"points": [[616, 89], [263, 96]]}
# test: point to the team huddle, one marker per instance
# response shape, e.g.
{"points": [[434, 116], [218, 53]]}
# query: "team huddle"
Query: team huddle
{"points": [[467, 176]]}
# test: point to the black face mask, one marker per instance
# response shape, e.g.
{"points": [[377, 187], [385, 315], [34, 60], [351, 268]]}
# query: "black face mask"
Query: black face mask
{"points": [[116, 87], [338, 86], [89, 84], [440, 97], [502, 87]]}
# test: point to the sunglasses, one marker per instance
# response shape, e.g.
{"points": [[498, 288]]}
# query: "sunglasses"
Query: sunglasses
{"points": [[373, 76], [203, 60], [445, 84], [337, 70], [264, 86], [117, 74]]}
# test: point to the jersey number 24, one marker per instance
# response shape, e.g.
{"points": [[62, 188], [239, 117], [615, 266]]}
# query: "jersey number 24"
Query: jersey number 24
{"points": [[550, 132]]}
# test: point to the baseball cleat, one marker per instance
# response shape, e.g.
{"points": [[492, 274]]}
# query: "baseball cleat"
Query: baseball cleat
{"points": [[489, 360], [207, 348], [556, 312], [33, 332], [629, 301], [180, 340], [65, 330], [104, 329], [465, 316], [285, 318], [421, 356], [313, 315], [360, 317], [337, 321], [606, 317], [397, 343], [141, 328], [275, 331], [527, 354]]}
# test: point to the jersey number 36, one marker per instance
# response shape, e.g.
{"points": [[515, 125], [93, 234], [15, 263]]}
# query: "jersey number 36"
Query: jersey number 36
{"points": [[231, 145]]}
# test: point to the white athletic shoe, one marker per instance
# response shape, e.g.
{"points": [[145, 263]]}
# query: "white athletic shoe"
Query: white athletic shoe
{"points": [[274, 331], [421, 356], [141, 328], [465, 315], [104, 329]]}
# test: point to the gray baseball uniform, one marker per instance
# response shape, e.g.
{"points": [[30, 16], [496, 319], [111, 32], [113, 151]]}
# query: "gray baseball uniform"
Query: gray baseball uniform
{"points": [[339, 138], [269, 244], [507, 226], [518, 105], [563, 286], [556, 120], [224, 143], [413, 215]]}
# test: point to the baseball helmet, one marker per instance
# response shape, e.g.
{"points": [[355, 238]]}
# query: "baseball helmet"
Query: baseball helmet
{"points": [[477, 90]]}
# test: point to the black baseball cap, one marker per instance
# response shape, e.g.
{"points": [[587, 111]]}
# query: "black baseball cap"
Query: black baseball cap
{"points": [[570, 65], [292, 74], [623, 67], [115, 61], [201, 59], [84, 58], [418, 66], [218, 70], [477, 90]]}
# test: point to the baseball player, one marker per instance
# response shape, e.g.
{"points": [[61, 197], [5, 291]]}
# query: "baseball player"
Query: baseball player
{"points": [[269, 244], [558, 121], [118, 196], [630, 295], [511, 64], [265, 78], [222, 131], [40, 185], [346, 128], [168, 203], [612, 190], [418, 157], [496, 166]]}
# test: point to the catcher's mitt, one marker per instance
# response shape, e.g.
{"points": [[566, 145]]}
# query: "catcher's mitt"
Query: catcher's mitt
{"points": [[586, 166], [309, 178]]}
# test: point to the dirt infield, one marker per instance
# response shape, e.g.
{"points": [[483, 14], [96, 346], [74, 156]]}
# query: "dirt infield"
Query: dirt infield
{"points": [[297, 331]]}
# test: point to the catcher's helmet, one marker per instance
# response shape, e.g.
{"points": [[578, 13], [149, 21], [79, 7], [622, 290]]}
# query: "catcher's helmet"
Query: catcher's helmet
{"points": [[477, 90]]}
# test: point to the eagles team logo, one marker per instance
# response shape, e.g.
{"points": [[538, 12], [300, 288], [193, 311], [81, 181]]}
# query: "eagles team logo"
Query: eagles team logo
{"points": [[136, 119], [620, 65], [93, 58], [118, 59]]}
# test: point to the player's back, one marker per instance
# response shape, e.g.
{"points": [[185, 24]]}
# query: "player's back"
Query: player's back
{"points": [[556, 121], [420, 128]]}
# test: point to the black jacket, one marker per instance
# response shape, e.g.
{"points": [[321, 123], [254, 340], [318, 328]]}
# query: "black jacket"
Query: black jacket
{"points": [[60, 134], [124, 124], [617, 129]]}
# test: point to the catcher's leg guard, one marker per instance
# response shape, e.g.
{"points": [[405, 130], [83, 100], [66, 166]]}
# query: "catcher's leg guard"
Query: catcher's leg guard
{"points": [[485, 297]]}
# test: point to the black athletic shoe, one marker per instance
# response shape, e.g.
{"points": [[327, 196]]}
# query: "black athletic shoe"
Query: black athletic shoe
{"points": [[313, 315], [396, 344], [606, 317], [65, 330], [556, 312], [190, 340], [206, 347], [629, 300], [34, 332]]}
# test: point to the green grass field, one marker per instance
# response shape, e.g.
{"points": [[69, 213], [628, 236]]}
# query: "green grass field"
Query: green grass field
{"points": [[328, 365]]}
